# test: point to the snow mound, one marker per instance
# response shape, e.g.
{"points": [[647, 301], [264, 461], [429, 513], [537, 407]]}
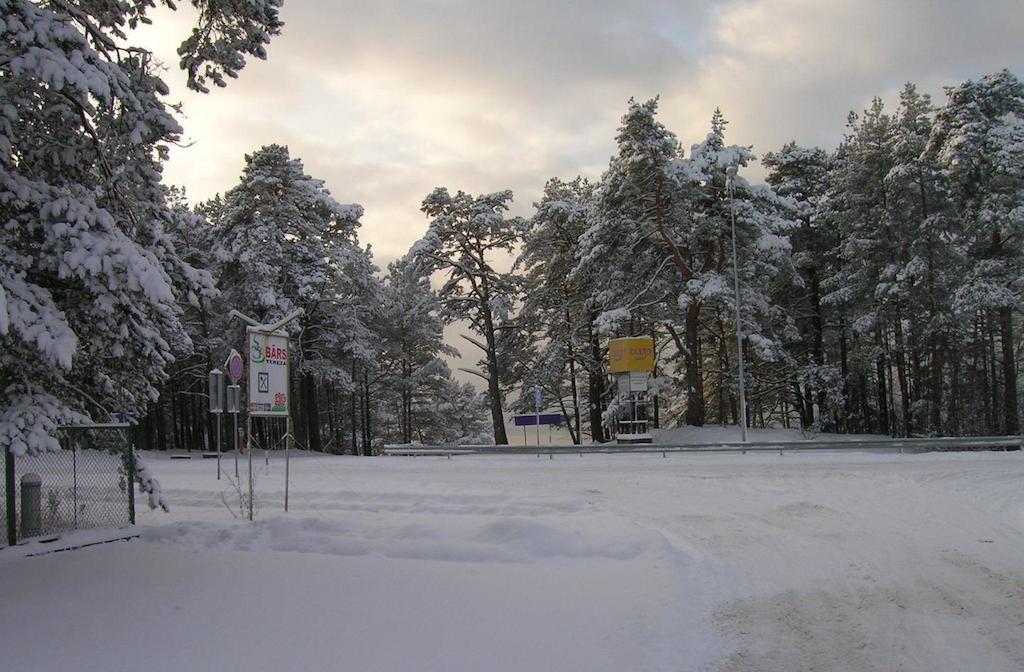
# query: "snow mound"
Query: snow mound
{"points": [[438, 537]]}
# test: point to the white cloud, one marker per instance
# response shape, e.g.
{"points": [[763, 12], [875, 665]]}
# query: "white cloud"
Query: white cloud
{"points": [[385, 100]]}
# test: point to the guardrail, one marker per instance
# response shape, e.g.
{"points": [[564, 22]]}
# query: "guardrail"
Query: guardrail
{"points": [[888, 445]]}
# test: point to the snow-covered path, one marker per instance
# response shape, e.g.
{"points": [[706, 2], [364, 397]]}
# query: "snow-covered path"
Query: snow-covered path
{"points": [[624, 562]]}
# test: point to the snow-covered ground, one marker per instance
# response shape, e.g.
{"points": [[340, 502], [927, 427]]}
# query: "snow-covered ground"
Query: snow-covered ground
{"points": [[623, 562]]}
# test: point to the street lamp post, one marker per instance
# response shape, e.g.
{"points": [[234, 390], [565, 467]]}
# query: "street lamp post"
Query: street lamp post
{"points": [[730, 176]]}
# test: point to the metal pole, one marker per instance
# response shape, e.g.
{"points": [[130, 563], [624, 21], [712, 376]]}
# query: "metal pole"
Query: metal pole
{"points": [[234, 440], [287, 453], [131, 475], [536, 408], [74, 480], [729, 176], [12, 521], [248, 450], [218, 446], [288, 426]]}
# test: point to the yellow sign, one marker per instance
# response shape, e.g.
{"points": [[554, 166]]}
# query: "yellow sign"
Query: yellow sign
{"points": [[630, 354]]}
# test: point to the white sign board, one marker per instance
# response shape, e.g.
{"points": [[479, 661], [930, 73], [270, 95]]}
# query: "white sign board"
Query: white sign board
{"points": [[633, 381], [268, 373]]}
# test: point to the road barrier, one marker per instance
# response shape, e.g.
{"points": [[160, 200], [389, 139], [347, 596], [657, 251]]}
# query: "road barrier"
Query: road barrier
{"points": [[914, 445]]}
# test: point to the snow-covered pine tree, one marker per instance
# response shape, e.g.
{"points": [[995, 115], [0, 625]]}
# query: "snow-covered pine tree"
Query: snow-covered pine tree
{"points": [[184, 392], [628, 257], [88, 317], [918, 204], [462, 239], [702, 238], [283, 242], [799, 174], [978, 141], [868, 288], [557, 304], [412, 341]]}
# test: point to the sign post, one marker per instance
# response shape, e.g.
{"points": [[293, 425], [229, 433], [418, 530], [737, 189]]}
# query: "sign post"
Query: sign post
{"points": [[538, 397], [235, 366], [217, 405]]}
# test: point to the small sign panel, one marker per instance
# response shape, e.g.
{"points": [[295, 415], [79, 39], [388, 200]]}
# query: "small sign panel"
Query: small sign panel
{"points": [[554, 419], [637, 381], [235, 366], [631, 354], [234, 399], [216, 391], [538, 397], [268, 373]]}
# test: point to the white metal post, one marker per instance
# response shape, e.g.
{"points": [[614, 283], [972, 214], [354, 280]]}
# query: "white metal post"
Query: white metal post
{"points": [[248, 451], [730, 175], [287, 452], [218, 445], [537, 401]]}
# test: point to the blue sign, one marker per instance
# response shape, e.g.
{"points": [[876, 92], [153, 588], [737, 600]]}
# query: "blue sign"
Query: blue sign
{"points": [[554, 419]]}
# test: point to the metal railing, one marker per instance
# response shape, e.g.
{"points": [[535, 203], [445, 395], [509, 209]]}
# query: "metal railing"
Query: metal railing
{"points": [[781, 447]]}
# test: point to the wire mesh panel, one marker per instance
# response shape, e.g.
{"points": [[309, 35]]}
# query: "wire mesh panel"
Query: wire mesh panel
{"points": [[4, 499], [85, 485]]}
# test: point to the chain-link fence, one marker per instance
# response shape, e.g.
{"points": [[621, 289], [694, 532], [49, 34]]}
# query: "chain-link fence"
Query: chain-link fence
{"points": [[87, 484]]}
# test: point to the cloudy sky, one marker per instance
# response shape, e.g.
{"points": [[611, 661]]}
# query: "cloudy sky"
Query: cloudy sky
{"points": [[385, 100]]}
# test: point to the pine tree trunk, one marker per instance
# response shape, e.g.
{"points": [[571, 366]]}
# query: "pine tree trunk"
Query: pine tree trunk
{"points": [[196, 413], [723, 368], [573, 436], [865, 405], [367, 417], [161, 429], [332, 425], [935, 409], [406, 403], [995, 422], [798, 396], [1011, 423], [901, 371], [493, 375], [694, 384], [883, 401], [575, 420], [954, 422], [595, 381], [173, 400], [352, 409], [844, 369], [818, 350], [311, 411]]}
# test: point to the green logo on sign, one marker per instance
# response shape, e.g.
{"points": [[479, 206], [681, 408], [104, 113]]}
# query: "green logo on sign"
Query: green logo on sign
{"points": [[256, 354]]}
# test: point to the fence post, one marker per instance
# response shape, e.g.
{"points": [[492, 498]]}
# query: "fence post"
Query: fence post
{"points": [[131, 474], [12, 525]]}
